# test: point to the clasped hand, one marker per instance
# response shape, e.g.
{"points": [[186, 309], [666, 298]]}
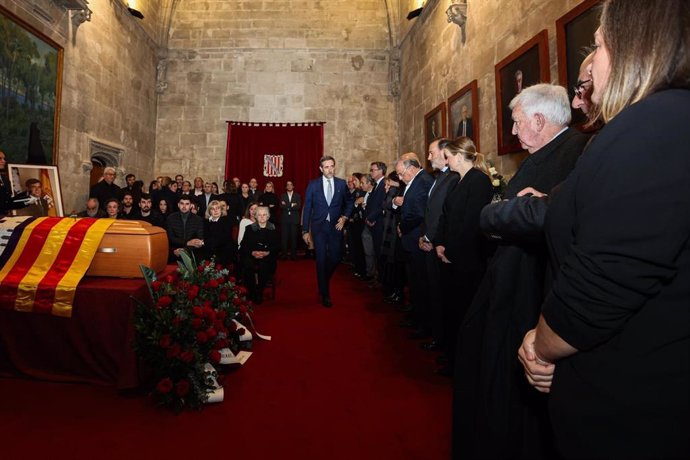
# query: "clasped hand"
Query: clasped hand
{"points": [[259, 254], [539, 373]]}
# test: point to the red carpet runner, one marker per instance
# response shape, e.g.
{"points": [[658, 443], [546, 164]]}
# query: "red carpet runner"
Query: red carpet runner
{"points": [[339, 383]]}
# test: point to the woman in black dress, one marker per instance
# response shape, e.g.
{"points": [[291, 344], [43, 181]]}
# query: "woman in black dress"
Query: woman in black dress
{"points": [[259, 251], [218, 241], [269, 199], [612, 346], [459, 241]]}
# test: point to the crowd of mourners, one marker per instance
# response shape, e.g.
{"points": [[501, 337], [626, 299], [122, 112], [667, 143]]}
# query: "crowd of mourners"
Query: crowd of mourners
{"points": [[561, 311], [235, 225]]}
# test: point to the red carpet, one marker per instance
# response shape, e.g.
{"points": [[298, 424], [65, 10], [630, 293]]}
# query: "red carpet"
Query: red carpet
{"points": [[337, 383]]}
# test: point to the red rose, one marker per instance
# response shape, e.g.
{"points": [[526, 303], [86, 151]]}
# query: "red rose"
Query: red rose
{"points": [[201, 337], [223, 297], [197, 323], [200, 268], [232, 279], [165, 341], [209, 313], [219, 267], [187, 356], [192, 292], [156, 285], [243, 309], [173, 351], [169, 279], [182, 388], [198, 312], [214, 355], [164, 386], [211, 333], [207, 304], [237, 301], [221, 315], [213, 284], [241, 331], [164, 301], [221, 343], [243, 290]]}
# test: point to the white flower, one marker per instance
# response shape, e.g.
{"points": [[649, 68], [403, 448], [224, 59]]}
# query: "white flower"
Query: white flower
{"points": [[493, 171], [496, 182]]}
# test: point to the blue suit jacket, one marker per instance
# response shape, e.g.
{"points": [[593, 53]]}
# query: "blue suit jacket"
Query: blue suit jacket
{"points": [[412, 211], [316, 208], [374, 210]]}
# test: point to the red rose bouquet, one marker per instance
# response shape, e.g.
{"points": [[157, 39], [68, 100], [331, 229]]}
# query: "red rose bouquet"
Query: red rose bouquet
{"points": [[188, 321]]}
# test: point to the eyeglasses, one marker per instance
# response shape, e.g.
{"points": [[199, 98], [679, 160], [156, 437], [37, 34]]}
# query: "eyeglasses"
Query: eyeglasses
{"points": [[580, 86], [403, 171]]}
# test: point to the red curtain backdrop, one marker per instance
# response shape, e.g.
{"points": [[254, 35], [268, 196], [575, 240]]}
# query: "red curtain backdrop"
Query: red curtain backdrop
{"points": [[300, 144]]}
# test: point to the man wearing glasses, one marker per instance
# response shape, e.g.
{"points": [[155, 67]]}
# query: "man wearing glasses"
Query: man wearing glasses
{"points": [[106, 188], [373, 213], [583, 88]]}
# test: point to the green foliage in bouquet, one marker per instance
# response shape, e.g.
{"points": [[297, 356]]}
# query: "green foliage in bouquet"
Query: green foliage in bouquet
{"points": [[189, 320]]}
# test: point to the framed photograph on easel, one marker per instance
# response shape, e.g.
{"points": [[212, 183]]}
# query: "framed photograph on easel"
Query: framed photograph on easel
{"points": [[41, 182]]}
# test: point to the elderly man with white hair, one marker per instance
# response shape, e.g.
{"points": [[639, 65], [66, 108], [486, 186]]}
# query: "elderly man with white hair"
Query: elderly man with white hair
{"points": [[495, 413], [106, 188]]}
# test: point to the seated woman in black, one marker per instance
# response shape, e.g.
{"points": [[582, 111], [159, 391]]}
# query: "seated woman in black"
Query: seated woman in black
{"points": [[259, 250], [218, 241]]}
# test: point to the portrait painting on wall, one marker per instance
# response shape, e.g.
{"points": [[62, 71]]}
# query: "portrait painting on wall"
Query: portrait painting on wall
{"points": [[30, 82], [574, 36], [463, 113], [434, 124], [526, 66], [41, 182]]}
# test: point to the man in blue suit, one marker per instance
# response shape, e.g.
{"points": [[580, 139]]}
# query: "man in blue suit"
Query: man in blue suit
{"points": [[327, 206]]}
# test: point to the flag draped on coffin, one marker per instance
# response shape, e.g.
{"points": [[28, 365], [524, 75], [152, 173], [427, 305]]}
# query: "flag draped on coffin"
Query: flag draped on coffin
{"points": [[275, 152], [43, 259]]}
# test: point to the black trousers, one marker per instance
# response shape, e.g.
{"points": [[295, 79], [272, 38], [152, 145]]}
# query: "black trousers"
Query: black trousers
{"points": [[288, 236]]}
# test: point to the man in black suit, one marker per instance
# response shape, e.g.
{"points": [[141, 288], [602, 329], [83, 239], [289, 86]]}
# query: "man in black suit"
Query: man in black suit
{"points": [[205, 198], [106, 188], [290, 205], [373, 213], [147, 214], [432, 317], [327, 206], [412, 207], [508, 300], [185, 229]]}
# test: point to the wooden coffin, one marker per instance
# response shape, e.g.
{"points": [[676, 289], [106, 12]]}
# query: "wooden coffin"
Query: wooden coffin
{"points": [[126, 244]]}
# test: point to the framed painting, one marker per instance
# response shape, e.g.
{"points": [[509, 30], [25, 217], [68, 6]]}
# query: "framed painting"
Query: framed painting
{"points": [[574, 35], [30, 83], [526, 66], [463, 113], [41, 182], [434, 124]]}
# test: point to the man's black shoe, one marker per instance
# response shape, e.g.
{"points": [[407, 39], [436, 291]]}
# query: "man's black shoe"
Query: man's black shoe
{"points": [[431, 346], [404, 308], [326, 302]]}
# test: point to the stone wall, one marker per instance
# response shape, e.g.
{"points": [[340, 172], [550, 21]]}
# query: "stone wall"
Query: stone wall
{"points": [[108, 89], [435, 63], [276, 61]]}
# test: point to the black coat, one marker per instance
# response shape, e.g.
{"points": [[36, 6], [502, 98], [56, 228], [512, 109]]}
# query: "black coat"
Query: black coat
{"points": [[494, 409], [179, 232], [218, 240], [619, 230], [260, 239], [104, 191], [445, 181]]}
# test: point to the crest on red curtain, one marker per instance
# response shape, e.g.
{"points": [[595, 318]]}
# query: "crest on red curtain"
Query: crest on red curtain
{"points": [[273, 165]]}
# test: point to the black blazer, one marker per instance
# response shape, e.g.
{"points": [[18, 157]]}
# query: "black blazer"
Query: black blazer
{"points": [[458, 227], [434, 205], [374, 210], [619, 230], [218, 240], [290, 208]]}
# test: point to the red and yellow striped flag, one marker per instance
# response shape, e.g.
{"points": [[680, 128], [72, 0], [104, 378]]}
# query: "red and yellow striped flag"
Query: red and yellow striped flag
{"points": [[49, 260]]}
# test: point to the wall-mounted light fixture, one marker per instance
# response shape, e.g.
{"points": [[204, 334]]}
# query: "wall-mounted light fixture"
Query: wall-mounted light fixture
{"points": [[132, 8], [457, 14], [417, 11]]}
